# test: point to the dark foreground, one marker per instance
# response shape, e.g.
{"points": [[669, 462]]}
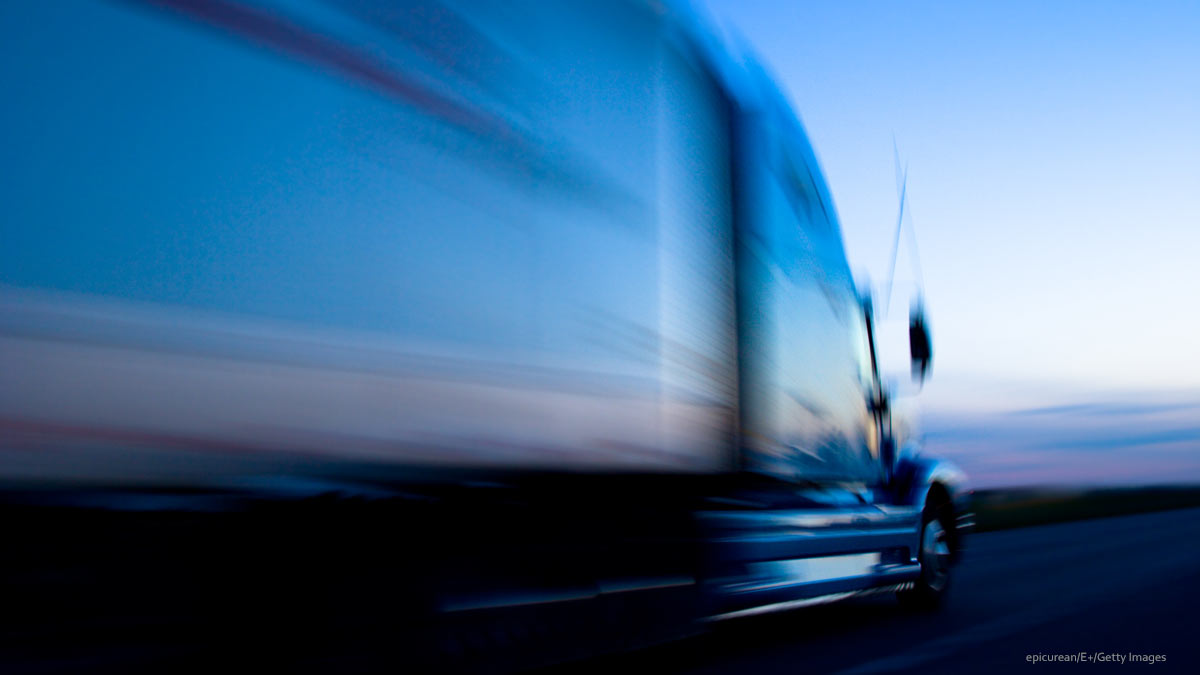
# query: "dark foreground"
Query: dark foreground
{"points": [[99, 597], [1128, 584]]}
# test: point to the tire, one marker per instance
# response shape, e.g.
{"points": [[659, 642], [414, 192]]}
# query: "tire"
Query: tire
{"points": [[930, 589]]}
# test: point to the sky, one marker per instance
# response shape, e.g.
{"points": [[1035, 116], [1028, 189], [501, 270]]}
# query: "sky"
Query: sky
{"points": [[1053, 160]]}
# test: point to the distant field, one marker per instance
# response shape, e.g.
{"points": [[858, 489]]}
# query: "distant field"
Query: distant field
{"points": [[1001, 509]]}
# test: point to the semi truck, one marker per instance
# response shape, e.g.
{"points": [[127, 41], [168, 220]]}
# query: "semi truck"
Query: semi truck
{"points": [[515, 328]]}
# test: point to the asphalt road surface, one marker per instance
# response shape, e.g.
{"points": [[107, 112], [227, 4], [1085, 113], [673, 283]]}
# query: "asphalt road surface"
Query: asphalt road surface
{"points": [[1108, 587]]}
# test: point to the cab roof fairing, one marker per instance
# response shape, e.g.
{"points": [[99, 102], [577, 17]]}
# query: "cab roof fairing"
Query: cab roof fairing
{"points": [[753, 90]]}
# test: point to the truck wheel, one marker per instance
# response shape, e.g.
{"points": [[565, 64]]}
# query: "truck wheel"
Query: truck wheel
{"points": [[929, 591]]}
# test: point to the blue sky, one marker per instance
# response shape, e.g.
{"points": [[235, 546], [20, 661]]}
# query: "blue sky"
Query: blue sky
{"points": [[1054, 184]]}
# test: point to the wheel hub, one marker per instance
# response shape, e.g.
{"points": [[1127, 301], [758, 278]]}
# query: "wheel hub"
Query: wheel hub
{"points": [[935, 555]]}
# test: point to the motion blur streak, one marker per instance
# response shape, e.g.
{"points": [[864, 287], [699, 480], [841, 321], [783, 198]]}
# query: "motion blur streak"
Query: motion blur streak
{"points": [[276, 262], [458, 335], [275, 31]]}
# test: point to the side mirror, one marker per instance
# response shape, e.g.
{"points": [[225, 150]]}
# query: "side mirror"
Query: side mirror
{"points": [[919, 345]]}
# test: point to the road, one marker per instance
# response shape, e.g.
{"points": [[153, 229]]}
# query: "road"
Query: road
{"points": [[1129, 584], [83, 603]]}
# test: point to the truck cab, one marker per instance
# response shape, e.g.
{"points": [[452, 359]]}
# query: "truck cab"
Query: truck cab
{"points": [[843, 501]]}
